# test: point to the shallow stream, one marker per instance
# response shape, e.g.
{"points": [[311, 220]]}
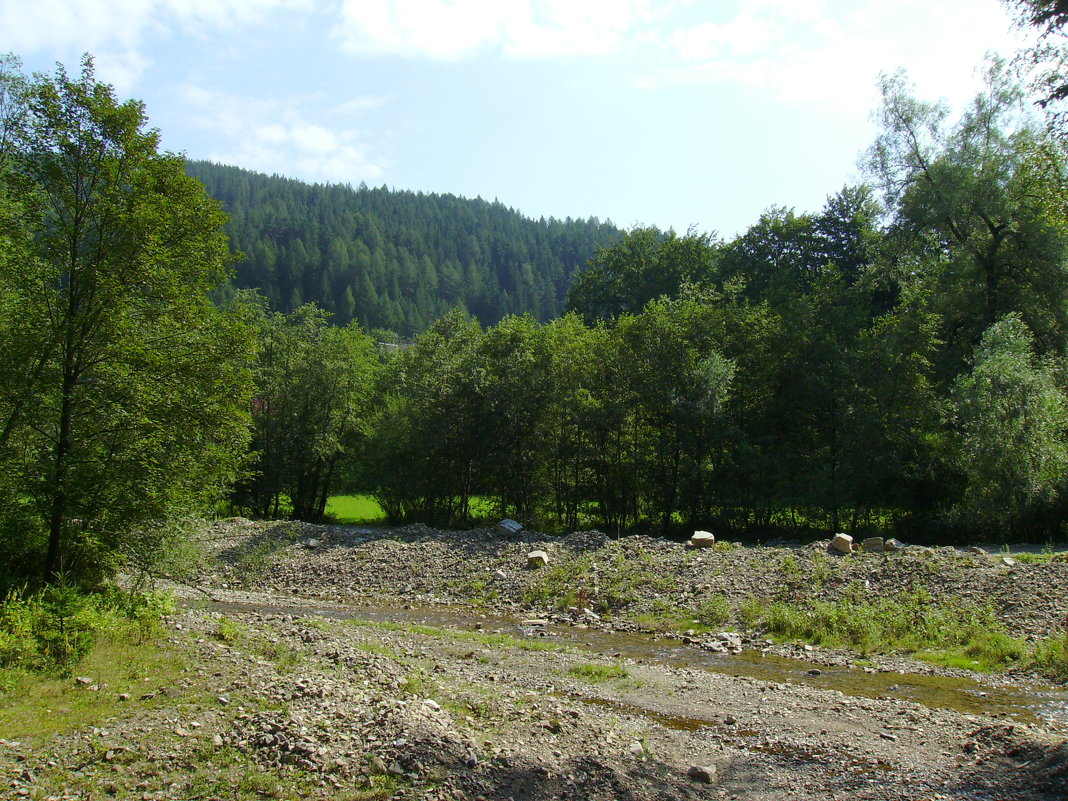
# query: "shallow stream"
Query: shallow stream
{"points": [[1031, 703]]}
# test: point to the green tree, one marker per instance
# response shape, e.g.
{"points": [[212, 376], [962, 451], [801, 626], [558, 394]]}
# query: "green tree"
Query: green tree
{"points": [[978, 215], [1046, 61], [125, 395], [645, 264], [1008, 440], [429, 437], [312, 411]]}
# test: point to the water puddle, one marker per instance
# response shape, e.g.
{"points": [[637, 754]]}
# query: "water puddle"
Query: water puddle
{"points": [[1045, 704]]}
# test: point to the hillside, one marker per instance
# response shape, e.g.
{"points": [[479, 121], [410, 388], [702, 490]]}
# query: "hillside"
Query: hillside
{"points": [[396, 259]]}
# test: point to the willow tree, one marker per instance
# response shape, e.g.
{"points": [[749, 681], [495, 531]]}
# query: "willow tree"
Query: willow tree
{"points": [[125, 390]]}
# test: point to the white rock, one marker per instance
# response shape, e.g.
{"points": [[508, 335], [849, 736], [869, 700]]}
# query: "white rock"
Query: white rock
{"points": [[430, 703], [893, 545], [636, 749], [842, 543], [702, 539], [537, 559], [311, 543], [873, 545]]}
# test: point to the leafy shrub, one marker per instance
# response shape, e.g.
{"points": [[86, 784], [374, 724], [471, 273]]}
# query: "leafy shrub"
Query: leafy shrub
{"points": [[56, 627]]}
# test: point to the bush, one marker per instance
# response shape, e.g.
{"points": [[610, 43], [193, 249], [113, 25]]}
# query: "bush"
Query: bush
{"points": [[55, 628]]}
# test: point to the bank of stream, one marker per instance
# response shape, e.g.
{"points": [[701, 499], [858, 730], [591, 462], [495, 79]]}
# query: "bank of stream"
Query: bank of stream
{"points": [[1028, 702]]}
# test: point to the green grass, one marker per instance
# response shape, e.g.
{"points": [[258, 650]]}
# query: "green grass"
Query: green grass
{"points": [[37, 704], [608, 581], [354, 509], [590, 671], [954, 635], [365, 510]]}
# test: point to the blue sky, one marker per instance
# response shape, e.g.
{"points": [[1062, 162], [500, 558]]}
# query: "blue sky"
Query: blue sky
{"points": [[673, 113]]}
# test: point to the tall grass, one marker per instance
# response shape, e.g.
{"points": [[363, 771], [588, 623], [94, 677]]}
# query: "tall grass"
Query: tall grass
{"points": [[53, 629], [949, 633]]}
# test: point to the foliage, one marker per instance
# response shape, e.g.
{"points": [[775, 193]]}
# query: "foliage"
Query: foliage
{"points": [[1046, 62], [908, 621], [644, 265], [123, 389], [1050, 658], [1009, 443], [53, 629], [396, 260], [313, 409]]}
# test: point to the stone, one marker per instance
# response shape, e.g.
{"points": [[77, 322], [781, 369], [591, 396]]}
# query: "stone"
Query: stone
{"points": [[702, 539], [430, 703], [702, 773], [842, 543], [636, 750], [975, 549], [509, 526], [312, 543], [873, 545], [1008, 561], [500, 575], [84, 681], [537, 559], [814, 672], [893, 545]]}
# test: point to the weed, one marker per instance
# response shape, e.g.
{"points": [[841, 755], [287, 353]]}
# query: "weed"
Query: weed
{"points": [[228, 631], [611, 584], [714, 611], [589, 671], [946, 633], [751, 612], [1050, 658]]}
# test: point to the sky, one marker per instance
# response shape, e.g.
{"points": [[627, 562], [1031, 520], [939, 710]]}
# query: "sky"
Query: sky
{"points": [[673, 113]]}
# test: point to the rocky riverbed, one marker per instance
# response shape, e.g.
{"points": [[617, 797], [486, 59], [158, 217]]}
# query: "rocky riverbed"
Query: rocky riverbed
{"points": [[307, 676]]}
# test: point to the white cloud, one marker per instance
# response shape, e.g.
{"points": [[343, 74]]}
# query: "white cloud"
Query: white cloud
{"points": [[115, 30], [273, 136], [453, 29], [829, 53]]}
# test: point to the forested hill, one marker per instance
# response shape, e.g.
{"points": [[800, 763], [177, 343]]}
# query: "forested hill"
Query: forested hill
{"points": [[396, 259]]}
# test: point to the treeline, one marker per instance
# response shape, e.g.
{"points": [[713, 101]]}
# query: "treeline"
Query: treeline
{"points": [[396, 260], [895, 361]]}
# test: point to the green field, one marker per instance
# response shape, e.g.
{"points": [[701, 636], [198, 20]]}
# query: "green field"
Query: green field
{"points": [[364, 509], [355, 509]]}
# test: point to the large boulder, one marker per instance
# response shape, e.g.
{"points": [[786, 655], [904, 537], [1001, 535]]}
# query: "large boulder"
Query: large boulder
{"points": [[509, 526], [842, 543], [702, 539], [873, 545]]}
